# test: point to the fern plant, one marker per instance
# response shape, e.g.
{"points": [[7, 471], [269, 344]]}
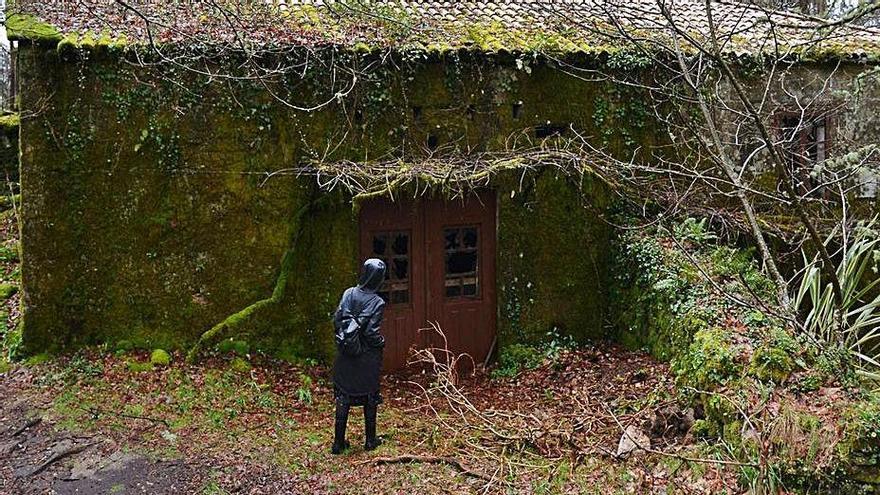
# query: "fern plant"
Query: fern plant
{"points": [[852, 324]]}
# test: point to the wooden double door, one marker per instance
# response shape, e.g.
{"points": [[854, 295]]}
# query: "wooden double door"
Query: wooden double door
{"points": [[440, 258]]}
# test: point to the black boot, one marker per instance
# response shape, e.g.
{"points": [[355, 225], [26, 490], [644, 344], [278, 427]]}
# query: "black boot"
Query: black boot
{"points": [[372, 440], [339, 443]]}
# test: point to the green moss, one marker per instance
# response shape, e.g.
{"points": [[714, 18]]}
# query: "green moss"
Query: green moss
{"points": [[37, 359], [240, 365], [709, 362], [12, 340], [9, 253], [28, 27], [239, 347], [125, 345], [550, 247], [68, 45], [198, 240], [771, 364], [139, 367], [705, 429], [775, 359], [657, 297], [10, 122], [732, 433], [160, 357], [7, 290]]}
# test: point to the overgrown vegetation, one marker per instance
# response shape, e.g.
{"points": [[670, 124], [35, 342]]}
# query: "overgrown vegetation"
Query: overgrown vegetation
{"points": [[703, 305], [516, 358], [851, 325]]}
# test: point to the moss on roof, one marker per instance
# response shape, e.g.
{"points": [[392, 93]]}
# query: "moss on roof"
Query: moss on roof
{"points": [[574, 26], [28, 27]]}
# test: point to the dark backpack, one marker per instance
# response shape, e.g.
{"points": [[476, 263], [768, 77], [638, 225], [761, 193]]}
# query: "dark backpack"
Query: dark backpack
{"points": [[348, 337]]}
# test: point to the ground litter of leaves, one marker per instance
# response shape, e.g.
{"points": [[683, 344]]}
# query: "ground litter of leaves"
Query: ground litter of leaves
{"points": [[102, 424]]}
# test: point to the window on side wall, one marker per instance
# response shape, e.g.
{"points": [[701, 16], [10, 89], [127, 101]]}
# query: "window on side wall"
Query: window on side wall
{"points": [[806, 141]]}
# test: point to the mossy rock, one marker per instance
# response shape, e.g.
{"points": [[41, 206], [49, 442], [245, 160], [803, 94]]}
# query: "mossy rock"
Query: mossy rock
{"points": [[720, 409], [711, 360], [771, 364], [731, 433], [776, 358], [7, 291], [160, 358]]}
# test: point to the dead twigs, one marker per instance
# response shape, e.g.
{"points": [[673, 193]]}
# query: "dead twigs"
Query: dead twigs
{"points": [[427, 459], [98, 412]]}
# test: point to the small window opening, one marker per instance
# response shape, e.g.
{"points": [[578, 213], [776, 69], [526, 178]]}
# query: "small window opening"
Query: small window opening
{"points": [[806, 142], [547, 130], [393, 248], [516, 109], [462, 262], [432, 142]]}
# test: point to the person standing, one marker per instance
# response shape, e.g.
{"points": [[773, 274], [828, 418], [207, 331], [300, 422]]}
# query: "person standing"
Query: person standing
{"points": [[358, 365]]}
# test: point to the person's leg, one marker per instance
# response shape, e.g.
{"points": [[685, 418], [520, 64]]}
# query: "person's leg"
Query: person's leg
{"points": [[339, 443], [370, 413]]}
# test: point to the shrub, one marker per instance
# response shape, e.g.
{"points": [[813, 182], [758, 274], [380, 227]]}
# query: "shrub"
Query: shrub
{"points": [[515, 358], [694, 231]]}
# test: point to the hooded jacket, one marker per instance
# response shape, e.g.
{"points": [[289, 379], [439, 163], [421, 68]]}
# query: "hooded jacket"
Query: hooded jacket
{"points": [[358, 376]]}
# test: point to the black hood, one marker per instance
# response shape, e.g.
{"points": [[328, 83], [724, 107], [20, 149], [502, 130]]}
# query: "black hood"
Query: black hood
{"points": [[372, 275]]}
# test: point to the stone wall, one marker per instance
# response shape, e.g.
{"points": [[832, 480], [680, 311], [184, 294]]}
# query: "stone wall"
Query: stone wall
{"points": [[148, 217]]}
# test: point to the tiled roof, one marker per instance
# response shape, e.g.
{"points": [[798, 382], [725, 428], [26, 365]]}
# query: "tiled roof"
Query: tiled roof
{"points": [[527, 25]]}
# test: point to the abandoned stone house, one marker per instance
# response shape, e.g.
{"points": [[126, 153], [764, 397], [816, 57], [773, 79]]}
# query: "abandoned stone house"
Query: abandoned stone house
{"points": [[160, 198]]}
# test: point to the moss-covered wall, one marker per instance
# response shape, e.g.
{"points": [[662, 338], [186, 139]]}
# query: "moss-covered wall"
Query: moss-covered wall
{"points": [[148, 216], [554, 257]]}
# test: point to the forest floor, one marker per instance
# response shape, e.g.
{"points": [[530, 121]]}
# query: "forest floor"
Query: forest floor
{"points": [[98, 422]]}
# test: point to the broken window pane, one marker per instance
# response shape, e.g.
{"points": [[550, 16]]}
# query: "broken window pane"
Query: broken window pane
{"points": [[393, 249], [462, 262]]}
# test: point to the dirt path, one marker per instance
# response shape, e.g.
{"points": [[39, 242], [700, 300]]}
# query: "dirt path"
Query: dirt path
{"points": [[36, 457]]}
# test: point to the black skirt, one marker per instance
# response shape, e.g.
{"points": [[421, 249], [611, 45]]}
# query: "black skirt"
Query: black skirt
{"points": [[356, 378]]}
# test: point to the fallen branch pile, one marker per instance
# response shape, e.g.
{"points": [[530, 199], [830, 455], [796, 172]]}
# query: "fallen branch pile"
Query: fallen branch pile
{"points": [[549, 414]]}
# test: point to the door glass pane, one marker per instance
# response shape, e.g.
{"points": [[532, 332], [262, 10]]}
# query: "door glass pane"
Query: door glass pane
{"points": [[393, 249], [462, 262]]}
